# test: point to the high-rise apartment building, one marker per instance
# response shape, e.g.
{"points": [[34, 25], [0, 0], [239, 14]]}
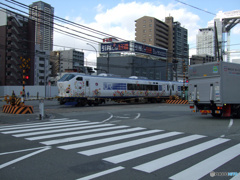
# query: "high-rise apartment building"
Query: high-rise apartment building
{"points": [[150, 30], [168, 34], [180, 46], [43, 14], [16, 41]]}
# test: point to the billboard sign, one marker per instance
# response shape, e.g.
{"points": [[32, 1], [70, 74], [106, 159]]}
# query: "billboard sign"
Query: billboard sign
{"points": [[115, 47], [132, 46], [150, 50]]}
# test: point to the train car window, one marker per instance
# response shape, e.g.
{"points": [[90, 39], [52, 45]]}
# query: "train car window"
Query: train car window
{"points": [[142, 87], [63, 77], [160, 87], [149, 87], [179, 88], [66, 77], [173, 87], [168, 87], [79, 78], [87, 83], [155, 88]]}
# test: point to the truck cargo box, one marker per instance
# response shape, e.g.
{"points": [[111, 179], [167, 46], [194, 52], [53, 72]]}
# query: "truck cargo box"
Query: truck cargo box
{"points": [[216, 82]]}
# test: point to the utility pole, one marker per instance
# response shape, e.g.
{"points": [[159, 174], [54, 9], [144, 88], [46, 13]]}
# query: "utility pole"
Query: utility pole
{"points": [[108, 61], [184, 79]]}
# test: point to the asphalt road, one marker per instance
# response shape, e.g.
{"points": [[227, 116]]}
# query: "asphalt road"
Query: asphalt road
{"points": [[118, 141]]}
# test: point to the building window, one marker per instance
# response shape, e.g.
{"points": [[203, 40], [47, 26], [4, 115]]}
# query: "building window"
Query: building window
{"points": [[150, 25]]}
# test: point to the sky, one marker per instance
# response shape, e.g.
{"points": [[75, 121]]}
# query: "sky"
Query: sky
{"points": [[118, 18]]}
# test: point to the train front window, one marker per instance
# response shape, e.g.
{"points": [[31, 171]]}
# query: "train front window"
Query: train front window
{"points": [[66, 77]]}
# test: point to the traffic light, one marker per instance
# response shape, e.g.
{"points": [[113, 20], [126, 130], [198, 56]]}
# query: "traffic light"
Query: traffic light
{"points": [[26, 77]]}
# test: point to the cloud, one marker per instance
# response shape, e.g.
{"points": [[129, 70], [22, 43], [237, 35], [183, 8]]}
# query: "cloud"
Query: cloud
{"points": [[99, 8], [120, 21]]}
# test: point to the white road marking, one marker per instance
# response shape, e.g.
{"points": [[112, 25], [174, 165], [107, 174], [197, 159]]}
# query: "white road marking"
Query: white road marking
{"points": [[138, 115], [229, 126], [208, 165], [230, 123], [180, 155], [24, 157], [24, 126], [127, 144], [100, 141], [102, 173], [88, 126], [54, 126], [151, 149], [23, 150], [70, 133], [70, 139], [111, 116]]}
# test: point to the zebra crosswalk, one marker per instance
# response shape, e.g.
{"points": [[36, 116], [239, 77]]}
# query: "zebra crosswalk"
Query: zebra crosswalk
{"points": [[127, 144]]}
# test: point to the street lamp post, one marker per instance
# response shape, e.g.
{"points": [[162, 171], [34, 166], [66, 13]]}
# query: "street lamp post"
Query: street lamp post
{"points": [[94, 49]]}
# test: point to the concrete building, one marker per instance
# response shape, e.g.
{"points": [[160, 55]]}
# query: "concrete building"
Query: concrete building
{"points": [[169, 35], [42, 67], [55, 63], [16, 40], [150, 30], [180, 47], [43, 14], [132, 58], [126, 66], [200, 59], [67, 59], [206, 39]]}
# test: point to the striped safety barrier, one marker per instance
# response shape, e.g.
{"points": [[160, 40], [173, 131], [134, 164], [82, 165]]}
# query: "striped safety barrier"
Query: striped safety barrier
{"points": [[17, 109], [177, 101]]}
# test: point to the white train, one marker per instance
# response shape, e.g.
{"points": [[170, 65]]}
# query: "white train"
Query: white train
{"points": [[80, 89]]}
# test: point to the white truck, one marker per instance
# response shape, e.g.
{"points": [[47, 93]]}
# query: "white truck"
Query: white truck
{"points": [[214, 88]]}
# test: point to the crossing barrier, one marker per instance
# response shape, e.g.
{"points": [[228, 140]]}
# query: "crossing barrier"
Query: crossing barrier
{"points": [[177, 101], [16, 106], [18, 109]]}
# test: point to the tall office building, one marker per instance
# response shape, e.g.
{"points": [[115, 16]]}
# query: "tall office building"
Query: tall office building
{"points": [[206, 41], [43, 14]]}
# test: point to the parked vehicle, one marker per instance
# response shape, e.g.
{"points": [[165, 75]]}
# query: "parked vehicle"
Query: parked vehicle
{"points": [[214, 88]]}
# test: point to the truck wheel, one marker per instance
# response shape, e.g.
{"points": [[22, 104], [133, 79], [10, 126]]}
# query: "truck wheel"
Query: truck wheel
{"points": [[238, 113]]}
